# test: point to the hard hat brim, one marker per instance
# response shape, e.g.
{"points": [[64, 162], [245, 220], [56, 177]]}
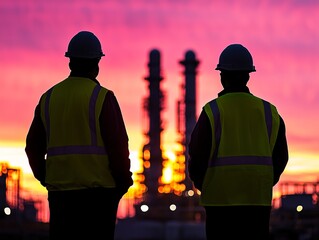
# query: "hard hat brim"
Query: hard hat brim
{"points": [[253, 69]]}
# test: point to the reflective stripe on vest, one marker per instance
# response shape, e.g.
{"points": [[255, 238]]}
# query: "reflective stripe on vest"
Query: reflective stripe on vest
{"points": [[93, 149], [76, 155], [240, 168], [238, 160]]}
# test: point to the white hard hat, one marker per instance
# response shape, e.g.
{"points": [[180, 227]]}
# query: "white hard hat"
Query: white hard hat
{"points": [[84, 45], [236, 57]]}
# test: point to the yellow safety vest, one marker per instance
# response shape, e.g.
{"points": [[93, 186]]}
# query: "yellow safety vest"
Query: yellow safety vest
{"points": [[76, 155], [240, 170]]}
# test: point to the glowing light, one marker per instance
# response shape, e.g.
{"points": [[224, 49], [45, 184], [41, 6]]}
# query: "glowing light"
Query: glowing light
{"points": [[146, 155], [138, 178], [144, 208], [167, 175], [137, 167], [173, 172], [190, 193], [172, 207], [136, 162], [147, 164], [299, 208], [170, 155], [7, 211], [198, 192]]}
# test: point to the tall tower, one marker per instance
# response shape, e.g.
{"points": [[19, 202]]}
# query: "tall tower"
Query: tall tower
{"points": [[188, 103], [152, 152], [166, 200]]}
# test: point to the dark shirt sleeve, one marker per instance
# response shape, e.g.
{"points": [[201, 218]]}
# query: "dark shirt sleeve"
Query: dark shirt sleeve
{"points": [[280, 152], [199, 150], [36, 147], [115, 138]]}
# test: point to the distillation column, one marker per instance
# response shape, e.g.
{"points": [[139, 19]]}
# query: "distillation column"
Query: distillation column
{"points": [[190, 63], [154, 108]]}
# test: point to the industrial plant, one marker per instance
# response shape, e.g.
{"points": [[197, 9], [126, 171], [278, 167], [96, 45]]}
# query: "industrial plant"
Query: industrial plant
{"points": [[166, 209]]}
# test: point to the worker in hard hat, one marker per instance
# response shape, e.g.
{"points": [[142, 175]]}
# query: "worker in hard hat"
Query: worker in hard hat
{"points": [[77, 147], [237, 153]]}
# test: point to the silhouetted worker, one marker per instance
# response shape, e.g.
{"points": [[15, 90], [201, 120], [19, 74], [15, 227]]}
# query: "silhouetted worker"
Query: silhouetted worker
{"points": [[77, 147], [237, 152]]}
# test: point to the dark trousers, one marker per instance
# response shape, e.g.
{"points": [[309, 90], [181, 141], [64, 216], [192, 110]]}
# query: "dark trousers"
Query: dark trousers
{"points": [[83, 214], [237, 222]]}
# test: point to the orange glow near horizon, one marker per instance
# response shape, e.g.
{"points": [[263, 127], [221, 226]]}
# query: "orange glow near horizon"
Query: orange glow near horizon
{"points": [[31, 188], [14, 155]]}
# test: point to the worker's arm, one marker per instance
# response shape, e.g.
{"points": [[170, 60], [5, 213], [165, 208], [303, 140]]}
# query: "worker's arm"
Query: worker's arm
{"points": [[36, 146], [115, 137], [199, 150], [280, 152]]}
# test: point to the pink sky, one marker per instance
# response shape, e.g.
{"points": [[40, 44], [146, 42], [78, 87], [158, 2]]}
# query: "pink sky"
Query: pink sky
{"points": [[282, 36]]}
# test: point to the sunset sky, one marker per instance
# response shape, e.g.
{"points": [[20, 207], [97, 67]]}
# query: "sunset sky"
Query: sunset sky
{"points": [[282, 36]]}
